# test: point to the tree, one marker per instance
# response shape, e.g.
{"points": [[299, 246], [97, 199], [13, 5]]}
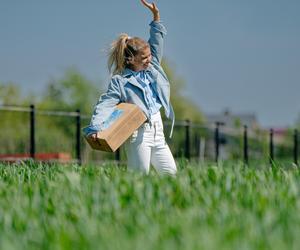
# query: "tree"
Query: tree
{"points": [[53, 133], [13, 125], [10, 94], [73, 91]]}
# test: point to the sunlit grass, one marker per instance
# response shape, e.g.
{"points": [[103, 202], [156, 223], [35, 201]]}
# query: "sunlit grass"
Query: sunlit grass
{"points": [[229, 206]]}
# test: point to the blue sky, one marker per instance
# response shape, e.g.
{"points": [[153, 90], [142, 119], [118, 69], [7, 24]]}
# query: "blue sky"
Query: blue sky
{"points": [[237, 54]]}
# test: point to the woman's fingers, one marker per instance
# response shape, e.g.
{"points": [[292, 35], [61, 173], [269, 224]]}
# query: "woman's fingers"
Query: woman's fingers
{"points": [[93, 136], [149, 5], [146, 3], [154, 7]]}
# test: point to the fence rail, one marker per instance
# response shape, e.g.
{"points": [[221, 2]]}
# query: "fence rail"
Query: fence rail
{"points": [[187, 125]]}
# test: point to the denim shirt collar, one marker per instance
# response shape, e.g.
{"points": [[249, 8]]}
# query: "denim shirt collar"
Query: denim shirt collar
{"points": [[128, 72]]}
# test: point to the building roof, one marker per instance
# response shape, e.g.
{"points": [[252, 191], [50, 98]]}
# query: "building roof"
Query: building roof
{"points": [[232, 120]]}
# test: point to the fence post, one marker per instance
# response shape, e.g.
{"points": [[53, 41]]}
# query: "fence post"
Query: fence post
{"points": [[78, 125], [245, 145], [187, 152], [271, 146], [296, 147], [217, 142], [32, 131]]}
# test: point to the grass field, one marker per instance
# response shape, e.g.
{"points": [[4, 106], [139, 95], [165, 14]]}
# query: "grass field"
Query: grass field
{"points": [[204, 207]]}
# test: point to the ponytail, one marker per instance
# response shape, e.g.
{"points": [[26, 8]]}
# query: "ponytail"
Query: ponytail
{"points": [[116, 59], [122, 50]]}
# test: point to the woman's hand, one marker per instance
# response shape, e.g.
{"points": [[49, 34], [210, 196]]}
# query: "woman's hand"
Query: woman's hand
{"points": [[93, 136], [153, 8]]}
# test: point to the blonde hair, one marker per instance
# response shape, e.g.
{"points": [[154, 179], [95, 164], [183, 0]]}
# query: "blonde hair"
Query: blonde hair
{"points": [[122, 50]]}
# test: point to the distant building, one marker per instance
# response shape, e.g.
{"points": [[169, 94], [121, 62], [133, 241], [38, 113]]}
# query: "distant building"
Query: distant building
{"points": [[280, 135], [232, 121], [232, 125]]}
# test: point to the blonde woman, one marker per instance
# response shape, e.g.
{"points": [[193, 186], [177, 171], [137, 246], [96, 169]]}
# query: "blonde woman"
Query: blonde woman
{"points": [[138, 78]]}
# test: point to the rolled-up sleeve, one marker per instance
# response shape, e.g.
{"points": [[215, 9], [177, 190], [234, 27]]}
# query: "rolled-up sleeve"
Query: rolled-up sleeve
{"points": [[156, 40]]}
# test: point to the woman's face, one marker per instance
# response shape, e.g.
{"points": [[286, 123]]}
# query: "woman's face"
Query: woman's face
{"points": [[142, 60]]}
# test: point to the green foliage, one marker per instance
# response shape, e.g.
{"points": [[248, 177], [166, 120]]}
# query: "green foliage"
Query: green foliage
{"points": [[12, 125], [237, 123], [53, 133], [10, 94], [203, 207], [73, 91], [70, 92]]}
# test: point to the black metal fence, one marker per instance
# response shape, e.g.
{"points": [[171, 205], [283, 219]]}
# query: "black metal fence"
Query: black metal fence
{"points": [[190, 144]]}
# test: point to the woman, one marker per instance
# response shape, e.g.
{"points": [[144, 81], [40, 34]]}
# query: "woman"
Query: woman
{"points": [[138, 78]]}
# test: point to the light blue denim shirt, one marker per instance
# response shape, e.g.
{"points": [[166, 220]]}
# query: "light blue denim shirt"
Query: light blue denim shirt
{"points": [[125, 87], [150, 93]]}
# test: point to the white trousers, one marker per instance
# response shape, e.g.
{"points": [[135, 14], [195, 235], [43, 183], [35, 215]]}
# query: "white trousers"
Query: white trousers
{"points": [[147, 145]]}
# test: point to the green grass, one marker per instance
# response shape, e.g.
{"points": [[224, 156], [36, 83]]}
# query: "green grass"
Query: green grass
{"points": [[204, 207]]}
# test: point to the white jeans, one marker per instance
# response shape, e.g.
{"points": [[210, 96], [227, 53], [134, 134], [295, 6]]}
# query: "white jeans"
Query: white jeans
{"points": [[147, 144]]}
